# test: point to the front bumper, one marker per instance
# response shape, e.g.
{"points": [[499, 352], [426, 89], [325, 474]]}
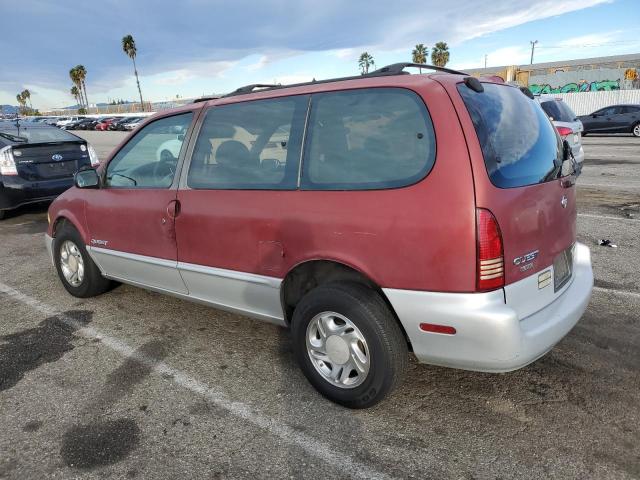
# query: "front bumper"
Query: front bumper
{"points": [[15, 191], [491, 336]]}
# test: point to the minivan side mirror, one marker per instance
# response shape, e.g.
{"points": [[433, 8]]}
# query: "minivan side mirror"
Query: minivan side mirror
{"points": [[87, 178]]}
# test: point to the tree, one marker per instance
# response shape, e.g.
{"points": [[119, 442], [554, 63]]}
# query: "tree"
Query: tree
{"points": [[440, 54], [129, 47], [82, 76], [76, 94], [21, 102], [75, 78], [419, 54], [26, 94], [364, 62]]}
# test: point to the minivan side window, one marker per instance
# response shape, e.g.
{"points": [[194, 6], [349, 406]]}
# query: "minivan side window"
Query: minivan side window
{"points": [[251, 145], [519, 143], [150, 158], [366, 139]]}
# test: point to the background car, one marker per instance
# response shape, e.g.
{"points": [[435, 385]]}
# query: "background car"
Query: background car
{"points": [[613, 119], [118, 123], [133, 124], [567, 123], [64, 121], [103, 124], [78, 124], [37, 163]]}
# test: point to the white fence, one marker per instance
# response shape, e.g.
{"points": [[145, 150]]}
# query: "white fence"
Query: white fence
{"points": [[584, 103]]}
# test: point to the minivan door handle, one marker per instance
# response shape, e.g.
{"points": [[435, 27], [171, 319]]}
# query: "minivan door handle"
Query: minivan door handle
{"points": [[173, 209]]}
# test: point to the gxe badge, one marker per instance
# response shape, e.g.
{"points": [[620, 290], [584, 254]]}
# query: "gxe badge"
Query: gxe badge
{"points": [[564, 201], [57, 157]]}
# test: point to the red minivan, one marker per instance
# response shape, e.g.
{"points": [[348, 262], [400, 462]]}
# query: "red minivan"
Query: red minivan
{"points": [[373, 216]]}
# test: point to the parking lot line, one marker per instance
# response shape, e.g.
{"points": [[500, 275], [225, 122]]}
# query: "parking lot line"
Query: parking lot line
{"points": [[607, 217], [624, 293], [338, 459]]}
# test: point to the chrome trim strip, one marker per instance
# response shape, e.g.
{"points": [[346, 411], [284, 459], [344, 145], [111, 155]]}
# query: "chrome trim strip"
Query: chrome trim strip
{"points": [[272, 282], [133, 256]]}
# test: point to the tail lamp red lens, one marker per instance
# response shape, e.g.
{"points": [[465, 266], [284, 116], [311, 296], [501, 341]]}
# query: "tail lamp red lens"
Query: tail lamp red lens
{"points": [[490, 251], [564, 131]]}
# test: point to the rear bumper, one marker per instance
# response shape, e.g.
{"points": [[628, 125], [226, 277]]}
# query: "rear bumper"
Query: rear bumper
{"points": [[15, 191], [490, 335]]}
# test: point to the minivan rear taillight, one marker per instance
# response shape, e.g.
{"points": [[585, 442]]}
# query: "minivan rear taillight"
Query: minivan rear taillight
{"points": [[490, 251], [7, 162], [564, 131]]}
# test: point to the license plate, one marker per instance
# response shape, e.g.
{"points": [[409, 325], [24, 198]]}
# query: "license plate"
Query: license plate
{"points": [[562, 268]]}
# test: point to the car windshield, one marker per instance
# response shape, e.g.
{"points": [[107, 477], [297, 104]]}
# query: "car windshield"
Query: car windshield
{"points": [[36, 134], [558, 110]]}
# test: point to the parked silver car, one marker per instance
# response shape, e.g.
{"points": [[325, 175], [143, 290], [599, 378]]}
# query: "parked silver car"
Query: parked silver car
{"points": [[567, 123]]}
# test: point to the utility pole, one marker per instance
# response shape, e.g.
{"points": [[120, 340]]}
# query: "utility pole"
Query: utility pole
{"points": [[533, 47], [485, 60]]}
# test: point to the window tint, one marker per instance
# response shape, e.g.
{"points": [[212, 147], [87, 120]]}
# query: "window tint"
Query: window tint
{"points": [[250, 145], [630, 109], [519, 144], [367, 139], [150, 158], [558, 111]]}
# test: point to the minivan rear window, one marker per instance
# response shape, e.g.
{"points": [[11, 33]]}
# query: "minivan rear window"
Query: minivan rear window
{"points": [[519, 144], [366, 139], [558, 111]]}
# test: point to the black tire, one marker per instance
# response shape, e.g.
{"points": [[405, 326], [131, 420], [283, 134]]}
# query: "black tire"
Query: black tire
{"points": [[93, 283], [584, 134], [387, 346], [3, 213]]}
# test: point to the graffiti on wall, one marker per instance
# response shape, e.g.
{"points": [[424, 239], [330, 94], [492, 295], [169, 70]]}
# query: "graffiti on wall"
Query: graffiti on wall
{"points": [[572, 87]]}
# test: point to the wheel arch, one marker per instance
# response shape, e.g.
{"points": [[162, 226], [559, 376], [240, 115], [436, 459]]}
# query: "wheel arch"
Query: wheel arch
{"points": [[305, 276], [65, 217]]}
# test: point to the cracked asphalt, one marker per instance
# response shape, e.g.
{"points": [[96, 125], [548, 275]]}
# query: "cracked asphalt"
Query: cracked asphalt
{"points": [[133, 384]]}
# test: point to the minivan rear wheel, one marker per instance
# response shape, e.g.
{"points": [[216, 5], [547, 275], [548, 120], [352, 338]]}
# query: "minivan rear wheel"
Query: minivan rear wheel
{"points": [[636, 130], [79, 274], [348, 344]]}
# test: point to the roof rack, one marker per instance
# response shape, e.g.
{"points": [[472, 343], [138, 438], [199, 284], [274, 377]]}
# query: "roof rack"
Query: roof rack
{"points": [[398, 69], [394, 69], [206, 99], [251, 88]]}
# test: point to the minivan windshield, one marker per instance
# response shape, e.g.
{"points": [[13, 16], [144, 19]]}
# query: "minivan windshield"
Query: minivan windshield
{"points": [[519, 144], [558, 110]]}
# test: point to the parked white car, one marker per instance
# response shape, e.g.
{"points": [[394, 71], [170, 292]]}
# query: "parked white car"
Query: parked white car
{"points": [[64, 121], [566, 122]]}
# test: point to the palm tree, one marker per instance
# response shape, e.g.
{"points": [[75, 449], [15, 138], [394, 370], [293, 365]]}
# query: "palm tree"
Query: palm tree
{"points": [[440, 54], [82, 76], [419, 54], [76, 94], [129, 47], [74, 75], [364, 62], [21, 101], [26, 94]]}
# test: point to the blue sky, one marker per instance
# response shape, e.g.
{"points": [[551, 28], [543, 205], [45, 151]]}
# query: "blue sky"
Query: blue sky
{"points": [[196, 47]]}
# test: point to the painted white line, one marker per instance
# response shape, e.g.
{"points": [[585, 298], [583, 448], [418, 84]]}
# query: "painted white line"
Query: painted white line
{"points": [[337, 459], [622, 293], [603, 185], [607, 217]]}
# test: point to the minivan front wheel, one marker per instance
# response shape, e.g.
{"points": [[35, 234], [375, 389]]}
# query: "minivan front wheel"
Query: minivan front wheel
{"points": [[348, 344], [80, 276]]}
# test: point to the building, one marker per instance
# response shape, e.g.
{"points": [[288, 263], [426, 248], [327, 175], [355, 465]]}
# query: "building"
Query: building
{"points": [[619, 72]]}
